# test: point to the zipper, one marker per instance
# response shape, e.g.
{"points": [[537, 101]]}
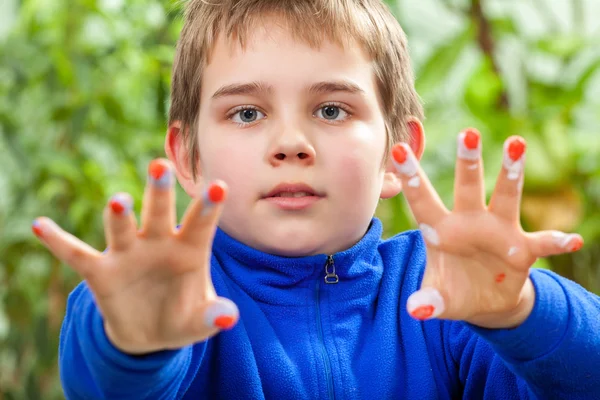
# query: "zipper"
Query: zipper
{"points": [[330, 277]]}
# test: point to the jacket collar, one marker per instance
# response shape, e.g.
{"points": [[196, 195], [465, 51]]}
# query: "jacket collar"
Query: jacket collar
{"points": [[293, 280]]}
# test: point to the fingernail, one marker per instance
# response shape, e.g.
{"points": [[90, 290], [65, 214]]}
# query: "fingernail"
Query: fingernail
{"points": [[222, 314], [469, 145], [36, 228], [121, 204], [213, 194], [425, 304], [514, 157], [570, 241], [404, 161], [576, 244], [159, 174], [430, 234]]}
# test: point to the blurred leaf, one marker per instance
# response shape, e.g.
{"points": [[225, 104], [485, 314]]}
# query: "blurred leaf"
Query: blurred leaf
{"points": [[432, 73], [562, 45]]}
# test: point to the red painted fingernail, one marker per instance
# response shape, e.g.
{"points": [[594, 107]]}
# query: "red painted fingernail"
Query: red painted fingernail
{"points": [[516, 148], [116, 206], [399, 153], [215, 193], [157, 169], [471, 139], [500, 277], [423, 312], [224, 321], [36, 227], [121, 204], [576, 244]]}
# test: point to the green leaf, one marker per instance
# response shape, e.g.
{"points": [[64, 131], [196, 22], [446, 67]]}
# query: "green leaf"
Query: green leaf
{"points": [[433, 72], [562, 45]]}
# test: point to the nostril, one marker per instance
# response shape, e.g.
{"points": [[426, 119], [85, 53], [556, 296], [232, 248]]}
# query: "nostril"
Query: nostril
{"points": [[302, 156], [280, 156]]}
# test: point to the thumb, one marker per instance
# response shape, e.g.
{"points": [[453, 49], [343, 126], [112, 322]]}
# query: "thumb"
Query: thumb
{"points": [[425, 303], [219, 314]]}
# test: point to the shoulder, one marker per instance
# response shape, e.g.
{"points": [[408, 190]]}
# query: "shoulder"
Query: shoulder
{"points": [[404, 253]]}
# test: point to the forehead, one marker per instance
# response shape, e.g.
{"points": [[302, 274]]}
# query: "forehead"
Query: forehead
{"points": [[273, 52]]}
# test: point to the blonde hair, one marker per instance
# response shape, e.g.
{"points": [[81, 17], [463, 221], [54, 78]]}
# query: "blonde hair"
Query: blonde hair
{"points": [[367, 22]]}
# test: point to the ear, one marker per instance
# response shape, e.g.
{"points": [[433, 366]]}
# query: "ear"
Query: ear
{"points": [[391, 183], [177, 152]]}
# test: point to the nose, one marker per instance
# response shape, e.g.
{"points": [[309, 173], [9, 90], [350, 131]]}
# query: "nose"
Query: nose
{"points": [[291, 146]]}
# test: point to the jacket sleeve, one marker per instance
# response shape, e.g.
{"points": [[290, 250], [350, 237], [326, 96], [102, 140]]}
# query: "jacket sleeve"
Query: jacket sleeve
{"points": [[92, 368], [553, 354]]}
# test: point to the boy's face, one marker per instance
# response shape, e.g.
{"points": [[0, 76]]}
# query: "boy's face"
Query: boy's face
{"points": [[261, 125]]}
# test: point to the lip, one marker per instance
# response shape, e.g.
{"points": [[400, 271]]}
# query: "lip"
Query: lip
{"points": [[293, 203], [292, 187]]}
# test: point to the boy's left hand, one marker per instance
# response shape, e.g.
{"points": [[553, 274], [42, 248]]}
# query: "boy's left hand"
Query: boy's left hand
{"points": [[478, 256]]}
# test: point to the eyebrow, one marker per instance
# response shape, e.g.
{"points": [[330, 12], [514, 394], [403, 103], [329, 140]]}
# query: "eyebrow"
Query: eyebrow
{"points": [[261, 88]]}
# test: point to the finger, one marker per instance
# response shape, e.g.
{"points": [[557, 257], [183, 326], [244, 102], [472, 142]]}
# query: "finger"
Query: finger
{"points": [[423, 200], [220, 314], [550, 243], [200, 220], [66, 247], [425, 303], [469, 189], [506, 199], [158, 210], [119, 222]]}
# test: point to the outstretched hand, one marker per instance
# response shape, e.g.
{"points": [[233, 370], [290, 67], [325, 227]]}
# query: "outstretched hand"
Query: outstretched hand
{"points": [[478, 256], [153, 285]]}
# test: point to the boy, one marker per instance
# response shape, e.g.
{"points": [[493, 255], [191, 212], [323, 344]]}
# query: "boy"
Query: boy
{"points": [[290, 109]]}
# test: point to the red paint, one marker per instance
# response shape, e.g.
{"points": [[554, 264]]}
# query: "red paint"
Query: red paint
{"points": [[216, 193], [500, 277], [471, 139], [516, 148], [399, 153], [116, 206], [157, 169], [576, 244], [423, 312], [224, 321], [37, 229]]}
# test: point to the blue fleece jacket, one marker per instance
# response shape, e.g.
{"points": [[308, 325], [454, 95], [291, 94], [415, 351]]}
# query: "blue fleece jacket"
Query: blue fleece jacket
{"points": [[301, 338]]}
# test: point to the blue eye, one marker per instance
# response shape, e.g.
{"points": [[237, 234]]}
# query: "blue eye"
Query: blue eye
{"points": [[332, 112], [247, 115]]}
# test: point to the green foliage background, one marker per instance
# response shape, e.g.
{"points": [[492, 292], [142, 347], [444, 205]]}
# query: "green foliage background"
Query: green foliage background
{"points": [[83, 96]]}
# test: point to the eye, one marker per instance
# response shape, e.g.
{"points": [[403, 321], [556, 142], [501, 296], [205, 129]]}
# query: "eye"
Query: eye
{"points": [[246, 115], [331, 112]]}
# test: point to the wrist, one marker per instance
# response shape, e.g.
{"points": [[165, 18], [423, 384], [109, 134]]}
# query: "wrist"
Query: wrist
{"points": [[512, 318]]}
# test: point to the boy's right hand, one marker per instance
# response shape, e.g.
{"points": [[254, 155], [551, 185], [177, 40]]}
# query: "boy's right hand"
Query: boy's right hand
{"points": [[153, 285]]}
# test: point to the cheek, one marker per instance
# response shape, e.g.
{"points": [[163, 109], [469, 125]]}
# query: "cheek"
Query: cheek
{"points": [[233, 164], [358, 163]]}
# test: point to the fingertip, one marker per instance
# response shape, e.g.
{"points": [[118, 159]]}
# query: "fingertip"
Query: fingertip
{"points": [[216, 192], [515, 147], [576, 243], [425, 304], [222, 314], [121, 204], [399, 153], [36, 228], [160, 173]]}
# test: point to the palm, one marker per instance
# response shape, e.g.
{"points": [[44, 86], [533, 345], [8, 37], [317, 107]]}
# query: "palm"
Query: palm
{"points": [[153, 285], [478, 257]]}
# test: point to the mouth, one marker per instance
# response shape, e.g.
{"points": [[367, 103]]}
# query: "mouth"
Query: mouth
{"points": [[293, 196], [293, 190]]}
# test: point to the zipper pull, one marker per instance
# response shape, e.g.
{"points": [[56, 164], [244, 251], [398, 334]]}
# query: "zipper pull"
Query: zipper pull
{"points": [[330, 277]]}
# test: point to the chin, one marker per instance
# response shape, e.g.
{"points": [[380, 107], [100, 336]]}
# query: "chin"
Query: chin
{"points": [[296, 247]]}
